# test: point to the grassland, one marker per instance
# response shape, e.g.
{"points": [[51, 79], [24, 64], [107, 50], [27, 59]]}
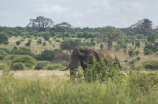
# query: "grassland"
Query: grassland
{"points": [[54, 87]]}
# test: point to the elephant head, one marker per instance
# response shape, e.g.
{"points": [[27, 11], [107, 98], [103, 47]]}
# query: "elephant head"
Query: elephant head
{"points": [[83, 54]]}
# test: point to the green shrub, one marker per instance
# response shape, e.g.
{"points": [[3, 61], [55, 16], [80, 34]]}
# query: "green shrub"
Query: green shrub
{"points": [[138, 58], [2, 54], [26, 59], [39, 41], [47, 55], [22, 51], [57, 40], [54, 66], [131, 53], [150, 64], [18, 66], [101, 71], [18, 42], [3, 66], [143, 81], [41, 65], [148, 51], [6, 50]]}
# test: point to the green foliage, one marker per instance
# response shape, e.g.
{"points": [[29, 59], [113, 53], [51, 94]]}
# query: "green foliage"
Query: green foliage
{"points": [[54, 66], [57, 40], [3, 38], [2, 54], [140, 36], [150, 64], [3, 66], [137, 44], [39, 41], [143, 81], [70, 44], [137, 52], [18, 66], [44, 43], [147, 51], [18, 42], [101, 46], [131, 53], [47, 55], [22, 51], [151, 38], [41, 65], [102, 71], [28, 43], [138, 58], [26, 59], [117, 47], [6, 50]]}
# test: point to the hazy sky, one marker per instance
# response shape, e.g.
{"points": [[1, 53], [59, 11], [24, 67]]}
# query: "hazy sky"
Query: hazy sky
{"points": [[79, 13]]}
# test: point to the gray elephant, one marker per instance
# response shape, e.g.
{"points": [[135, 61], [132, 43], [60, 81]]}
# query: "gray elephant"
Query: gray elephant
{"points": [[83, 54]]}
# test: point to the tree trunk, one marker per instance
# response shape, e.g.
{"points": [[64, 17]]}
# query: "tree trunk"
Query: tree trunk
{"points": [[109, 44]]}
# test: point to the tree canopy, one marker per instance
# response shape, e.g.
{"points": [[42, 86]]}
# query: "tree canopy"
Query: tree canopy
{"points": [[40, 23], [110, 34], [3, 38], [62, 27]]}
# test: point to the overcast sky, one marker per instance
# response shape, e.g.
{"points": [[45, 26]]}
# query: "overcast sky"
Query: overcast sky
{"points": [[79, 13]]}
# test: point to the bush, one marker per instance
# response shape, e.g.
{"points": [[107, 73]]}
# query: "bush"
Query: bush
{"points": [[47, 55], [148, 51], [6, 50], [131, 53], [57, 40], [3, 38], [140, 36], [18, 42], [150, 64], [41, 65], [3, 66], [22, 51], [54, 66], [2, 54], [18, 66], [101, 71], [143, 81], [26, 59], [39, 41], [138, 58]]}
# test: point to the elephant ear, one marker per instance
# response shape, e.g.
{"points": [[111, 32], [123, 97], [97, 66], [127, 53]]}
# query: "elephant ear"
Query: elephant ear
{"points": [[95, 53]]}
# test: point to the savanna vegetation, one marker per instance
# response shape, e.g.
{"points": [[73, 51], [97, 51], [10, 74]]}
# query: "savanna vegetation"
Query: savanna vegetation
{"points": [[40, 49]]}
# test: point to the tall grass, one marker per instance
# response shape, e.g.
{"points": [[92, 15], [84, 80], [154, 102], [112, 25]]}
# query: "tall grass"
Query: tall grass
{"points": [[56, 90]]}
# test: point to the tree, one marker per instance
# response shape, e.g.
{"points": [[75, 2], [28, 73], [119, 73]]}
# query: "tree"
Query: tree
{"points": [[142, 26], [151, 38], [62, 27], [70, 44], [110, 34], [40, 23], [3, 38]]}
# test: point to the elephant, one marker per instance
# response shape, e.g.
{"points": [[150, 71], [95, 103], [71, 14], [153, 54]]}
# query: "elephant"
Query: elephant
{"points": [[82, 54]]}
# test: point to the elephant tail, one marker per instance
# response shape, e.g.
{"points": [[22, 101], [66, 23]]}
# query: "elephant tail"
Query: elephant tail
{"points": [[65, 68]]}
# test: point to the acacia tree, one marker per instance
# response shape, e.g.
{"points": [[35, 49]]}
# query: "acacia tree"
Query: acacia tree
{"points": [[142, 26], [40, 23], [110, 34], [62, 27]]}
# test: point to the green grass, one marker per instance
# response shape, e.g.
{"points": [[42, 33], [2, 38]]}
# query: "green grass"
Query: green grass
{"points": [[56, 90]]}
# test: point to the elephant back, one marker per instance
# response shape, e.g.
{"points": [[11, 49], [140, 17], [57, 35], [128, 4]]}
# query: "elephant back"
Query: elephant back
{"points": [[108, 53]]}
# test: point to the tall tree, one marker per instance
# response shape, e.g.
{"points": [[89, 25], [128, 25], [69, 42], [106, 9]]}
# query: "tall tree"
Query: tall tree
{"points": [[110, 34], [62, 27], [142, 26], [40, 23], [3, 38]]}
